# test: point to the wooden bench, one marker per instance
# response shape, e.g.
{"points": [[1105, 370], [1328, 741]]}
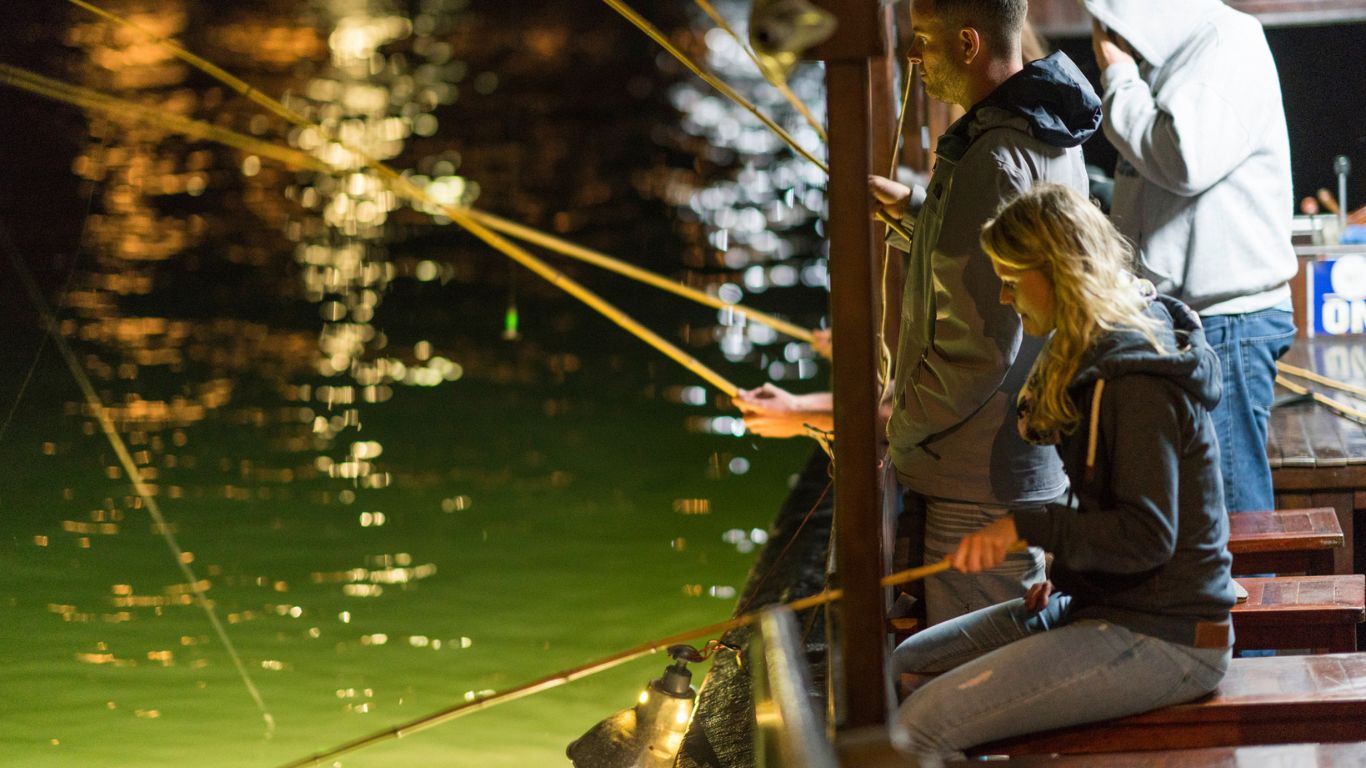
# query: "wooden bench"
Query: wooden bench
{"points": [[1272, 756], [1318, 612], [1284, 541], [1271, 700]]}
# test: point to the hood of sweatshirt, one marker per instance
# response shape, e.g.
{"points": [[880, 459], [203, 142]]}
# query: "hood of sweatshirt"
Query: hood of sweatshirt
{"points": [[1050, 99], [1155, 28], [1188, 361]]}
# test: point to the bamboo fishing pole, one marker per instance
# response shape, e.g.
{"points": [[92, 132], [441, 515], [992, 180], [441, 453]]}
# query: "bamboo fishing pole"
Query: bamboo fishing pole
{"points": [[1303, 373], [653, 33], [566, 676], [516, 230], [774, 79], [528, 234], [399, 185], [1322, 399]]}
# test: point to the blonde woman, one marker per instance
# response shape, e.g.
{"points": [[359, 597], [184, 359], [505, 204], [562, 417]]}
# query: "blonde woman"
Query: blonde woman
{"points": [[1136, 613]]}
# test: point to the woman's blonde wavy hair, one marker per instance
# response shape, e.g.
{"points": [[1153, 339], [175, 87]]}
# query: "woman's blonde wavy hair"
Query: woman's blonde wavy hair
{"points": [[1054, 229]]}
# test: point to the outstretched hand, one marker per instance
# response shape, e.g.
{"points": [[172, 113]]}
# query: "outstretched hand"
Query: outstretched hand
{"points": [[771, 411]]}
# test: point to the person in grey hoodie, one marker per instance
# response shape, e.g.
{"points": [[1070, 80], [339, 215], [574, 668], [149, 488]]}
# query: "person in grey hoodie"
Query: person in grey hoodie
{"points": [[1203, 189], [1136, 615], [961, 355]]}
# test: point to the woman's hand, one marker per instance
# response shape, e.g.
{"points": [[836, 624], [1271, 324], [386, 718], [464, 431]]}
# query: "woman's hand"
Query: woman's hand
{"points": [[985, 548], [1036, 599]]}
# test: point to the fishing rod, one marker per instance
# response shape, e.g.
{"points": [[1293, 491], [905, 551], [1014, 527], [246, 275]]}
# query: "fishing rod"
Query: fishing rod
{"points": [[651, 31], [563, 677], [113, 108]]}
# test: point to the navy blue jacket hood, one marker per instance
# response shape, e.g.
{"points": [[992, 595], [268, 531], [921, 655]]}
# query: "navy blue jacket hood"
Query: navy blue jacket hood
{"points": [[1051, 94]]}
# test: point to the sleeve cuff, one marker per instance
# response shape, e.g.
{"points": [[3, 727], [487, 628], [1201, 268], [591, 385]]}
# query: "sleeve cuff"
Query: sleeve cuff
{"points": [[1118, 72]]}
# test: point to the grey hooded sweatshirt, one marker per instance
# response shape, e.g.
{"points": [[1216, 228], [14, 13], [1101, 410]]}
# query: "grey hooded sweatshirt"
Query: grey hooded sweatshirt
{"points": [[1147, 546], [1203, 185], [962, 356]]}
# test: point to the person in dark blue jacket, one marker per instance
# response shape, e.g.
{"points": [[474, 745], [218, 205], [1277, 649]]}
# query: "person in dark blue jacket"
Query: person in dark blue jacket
{"points": [[1135, 615]]}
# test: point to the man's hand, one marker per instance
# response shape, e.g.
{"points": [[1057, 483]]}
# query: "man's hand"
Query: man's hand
{"points": [[1036, 599], [985, 548], [1109, 48], [890, 197], [772, 411]]}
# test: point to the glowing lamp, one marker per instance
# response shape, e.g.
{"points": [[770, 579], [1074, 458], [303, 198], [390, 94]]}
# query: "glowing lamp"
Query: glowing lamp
{"points": [[649, 734]]}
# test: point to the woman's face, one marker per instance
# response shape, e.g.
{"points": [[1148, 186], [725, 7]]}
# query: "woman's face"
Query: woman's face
{"points": [[1030, 291]]}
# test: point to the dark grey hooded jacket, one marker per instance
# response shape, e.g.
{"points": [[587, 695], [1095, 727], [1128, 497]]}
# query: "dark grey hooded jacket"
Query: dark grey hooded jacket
{"points": [[1147, 546], [962, 355]]}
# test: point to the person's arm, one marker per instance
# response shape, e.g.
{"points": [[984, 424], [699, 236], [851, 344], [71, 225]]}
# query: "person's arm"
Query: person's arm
{"points": [[771, 411], [976, 337], [1143, 420], [1190, 139]]}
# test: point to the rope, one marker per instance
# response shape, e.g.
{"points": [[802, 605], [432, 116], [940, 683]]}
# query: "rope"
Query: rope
{"points": [[772, 77], [134, 474], [563, 677]]}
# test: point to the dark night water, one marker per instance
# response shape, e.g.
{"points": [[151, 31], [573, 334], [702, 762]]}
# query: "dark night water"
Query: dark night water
{"points": [[393, 506]]}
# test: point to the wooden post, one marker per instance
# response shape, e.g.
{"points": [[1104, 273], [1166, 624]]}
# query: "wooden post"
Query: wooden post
{"points": [[862, 690]]}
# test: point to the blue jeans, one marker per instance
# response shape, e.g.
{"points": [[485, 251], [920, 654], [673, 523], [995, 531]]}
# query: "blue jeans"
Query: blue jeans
{"points": [[1248, 347], [1003, 671]]}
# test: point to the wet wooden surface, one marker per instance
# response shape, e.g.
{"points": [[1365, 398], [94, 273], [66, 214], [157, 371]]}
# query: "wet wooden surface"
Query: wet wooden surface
{"points": [[1319, 612], [1273, 700], [1317, 457], [1284, 541]]}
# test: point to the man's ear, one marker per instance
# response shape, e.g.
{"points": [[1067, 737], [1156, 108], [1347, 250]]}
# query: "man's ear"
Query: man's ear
{"points": [[969, 44]]}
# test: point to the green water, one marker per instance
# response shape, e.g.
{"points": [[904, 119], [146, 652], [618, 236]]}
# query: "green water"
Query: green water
{"points": [[534, 575]]}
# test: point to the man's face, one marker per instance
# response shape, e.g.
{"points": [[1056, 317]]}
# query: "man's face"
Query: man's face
{"points": [[937, 47]]}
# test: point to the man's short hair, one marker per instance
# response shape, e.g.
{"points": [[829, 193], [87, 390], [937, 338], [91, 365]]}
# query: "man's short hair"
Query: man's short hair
{"points": [[1000, 21]]}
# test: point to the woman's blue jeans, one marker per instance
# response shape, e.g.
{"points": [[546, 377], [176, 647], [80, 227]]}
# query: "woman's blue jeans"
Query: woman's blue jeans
{"points": [[1003, 671], [1248, 347]]}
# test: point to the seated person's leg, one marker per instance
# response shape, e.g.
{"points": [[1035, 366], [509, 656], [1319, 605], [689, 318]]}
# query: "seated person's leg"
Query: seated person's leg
{"points": [[1083, 672]]}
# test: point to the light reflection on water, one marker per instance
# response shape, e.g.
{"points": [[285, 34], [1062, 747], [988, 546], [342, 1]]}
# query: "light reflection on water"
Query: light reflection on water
{"points": [[392, 509]]}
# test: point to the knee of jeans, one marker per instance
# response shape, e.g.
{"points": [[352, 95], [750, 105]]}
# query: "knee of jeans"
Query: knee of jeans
{"points": [[918, 730]]}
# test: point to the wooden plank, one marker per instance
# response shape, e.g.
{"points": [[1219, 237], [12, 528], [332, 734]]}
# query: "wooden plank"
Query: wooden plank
{"points": [[1281, 699], [1318, 612], [1292, 439], [1284, 541]]}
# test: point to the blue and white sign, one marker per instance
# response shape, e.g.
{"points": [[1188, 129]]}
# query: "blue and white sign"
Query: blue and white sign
{"points": [[1337, 295]]}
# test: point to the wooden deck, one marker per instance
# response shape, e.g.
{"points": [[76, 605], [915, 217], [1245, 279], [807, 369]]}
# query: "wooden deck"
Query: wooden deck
{"points": [[1318, 458]]}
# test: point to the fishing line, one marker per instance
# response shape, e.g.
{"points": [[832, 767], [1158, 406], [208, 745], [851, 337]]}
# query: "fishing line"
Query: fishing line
{"points": [[61, 296], [134, 474]]}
